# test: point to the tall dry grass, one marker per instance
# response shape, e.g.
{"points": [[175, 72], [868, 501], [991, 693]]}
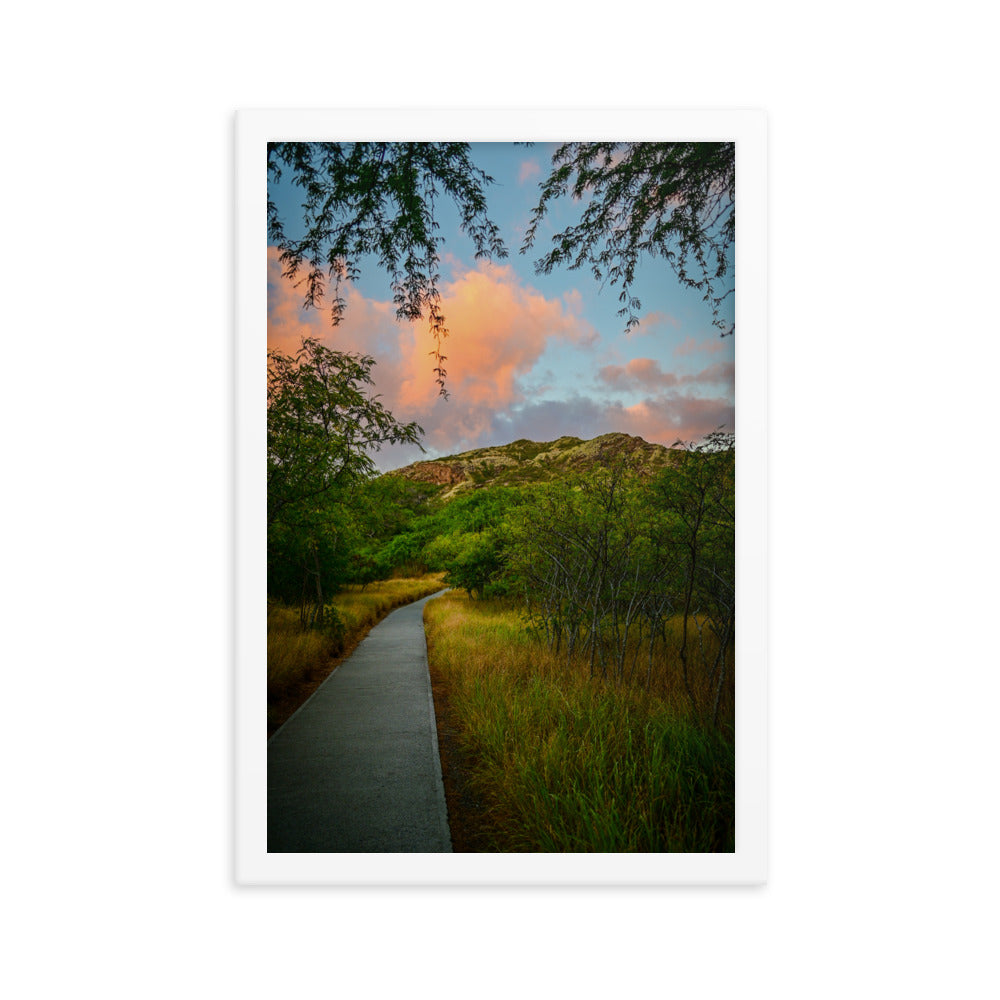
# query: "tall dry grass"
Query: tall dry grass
{"points": [[297, 656], [566, 762]]}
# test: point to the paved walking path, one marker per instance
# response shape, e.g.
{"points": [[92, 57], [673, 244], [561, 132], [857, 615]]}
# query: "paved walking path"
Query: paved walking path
{"points": [[357, 767]]}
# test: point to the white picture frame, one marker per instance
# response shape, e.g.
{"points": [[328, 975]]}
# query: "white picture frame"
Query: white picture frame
{"points": [[253, 864]]}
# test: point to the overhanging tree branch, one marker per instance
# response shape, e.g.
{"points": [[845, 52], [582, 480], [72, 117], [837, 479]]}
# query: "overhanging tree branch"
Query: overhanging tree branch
{"points": [[368, 199], [670, 200]]}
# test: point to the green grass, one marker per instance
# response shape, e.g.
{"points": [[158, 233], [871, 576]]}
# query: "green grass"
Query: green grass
{"points": [[566, 763]]}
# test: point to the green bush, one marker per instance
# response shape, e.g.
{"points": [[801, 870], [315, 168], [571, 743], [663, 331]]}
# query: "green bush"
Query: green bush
{"points": [[330, 622]]}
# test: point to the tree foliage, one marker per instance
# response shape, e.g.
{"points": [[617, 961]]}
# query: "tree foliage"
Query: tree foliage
{"points": [[321, 427], [595, 571], [604, 560], [699, 498], [675, 201], [379, 198], [470, 542], [629, 572]]}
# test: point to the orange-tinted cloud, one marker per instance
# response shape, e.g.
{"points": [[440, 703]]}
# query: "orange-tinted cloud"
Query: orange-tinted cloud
{"points": [[369, 324], [499, 329]]}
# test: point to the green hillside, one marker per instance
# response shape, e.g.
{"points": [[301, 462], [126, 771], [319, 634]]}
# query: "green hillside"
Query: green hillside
{"points": [[524, 461]]}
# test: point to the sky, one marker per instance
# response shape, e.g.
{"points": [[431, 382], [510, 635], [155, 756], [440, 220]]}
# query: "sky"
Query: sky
{"points": [[528, 356]]}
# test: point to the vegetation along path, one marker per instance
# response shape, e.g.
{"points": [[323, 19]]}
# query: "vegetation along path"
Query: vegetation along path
{"points": [[357, 769]]}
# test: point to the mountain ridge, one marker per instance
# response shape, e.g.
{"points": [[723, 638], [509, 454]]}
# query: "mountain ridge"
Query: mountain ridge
{"points": [[523, 461]]}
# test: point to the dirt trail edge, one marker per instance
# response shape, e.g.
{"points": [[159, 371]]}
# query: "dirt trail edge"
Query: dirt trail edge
{"points": [[357, 768]]}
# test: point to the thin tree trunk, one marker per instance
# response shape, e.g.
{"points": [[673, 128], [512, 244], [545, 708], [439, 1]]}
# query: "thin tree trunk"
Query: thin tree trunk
{"points": [[722, 673]]}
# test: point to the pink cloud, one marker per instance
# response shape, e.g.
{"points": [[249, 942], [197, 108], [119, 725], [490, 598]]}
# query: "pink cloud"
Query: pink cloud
{"points": [[499, 329], [723, 373], [666, 420], [638, 371], [652, 322], [529, 169], [663, 419], [646, 373], [691, 346], [370, 325]]}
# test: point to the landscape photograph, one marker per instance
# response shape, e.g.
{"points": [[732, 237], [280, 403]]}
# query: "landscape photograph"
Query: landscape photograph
{"points": [[501, 497]]}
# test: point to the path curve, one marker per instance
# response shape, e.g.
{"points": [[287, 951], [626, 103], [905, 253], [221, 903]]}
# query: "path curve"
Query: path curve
{"points": [[357, 767]]}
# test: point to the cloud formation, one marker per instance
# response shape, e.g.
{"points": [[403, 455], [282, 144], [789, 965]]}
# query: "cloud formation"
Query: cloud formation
{"points": [[646, 373], [499, 330], [528, 169], [659, 419], [668, 419], [654, 322], [691, 346]]}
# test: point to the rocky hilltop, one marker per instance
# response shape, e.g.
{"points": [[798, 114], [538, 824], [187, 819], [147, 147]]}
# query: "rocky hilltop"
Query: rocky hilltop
{"points": [[531, 461]]}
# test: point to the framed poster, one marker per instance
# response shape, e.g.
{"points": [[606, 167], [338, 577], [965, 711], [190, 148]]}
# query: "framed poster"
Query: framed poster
{"points": [[509, 355]]}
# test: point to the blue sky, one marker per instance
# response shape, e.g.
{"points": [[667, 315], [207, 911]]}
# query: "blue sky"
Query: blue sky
{"points": [[528, 356]]}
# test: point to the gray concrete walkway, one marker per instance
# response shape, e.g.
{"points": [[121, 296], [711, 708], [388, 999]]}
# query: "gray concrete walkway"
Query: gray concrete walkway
{"points": [[357, 767]]}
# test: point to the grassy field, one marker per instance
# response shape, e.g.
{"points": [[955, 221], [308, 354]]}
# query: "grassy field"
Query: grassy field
{"points": [[299, 660], [561, 762]]}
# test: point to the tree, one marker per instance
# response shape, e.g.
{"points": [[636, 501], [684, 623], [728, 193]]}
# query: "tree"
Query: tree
{"points": [[386, 508], [470, 540], [699, 495], [669, 200], [321, 426], [590, 563], [378, 198]]}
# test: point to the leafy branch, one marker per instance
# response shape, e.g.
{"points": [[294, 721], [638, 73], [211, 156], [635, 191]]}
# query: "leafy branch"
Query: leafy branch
{"points": [[378, 199], [672, 200]]}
